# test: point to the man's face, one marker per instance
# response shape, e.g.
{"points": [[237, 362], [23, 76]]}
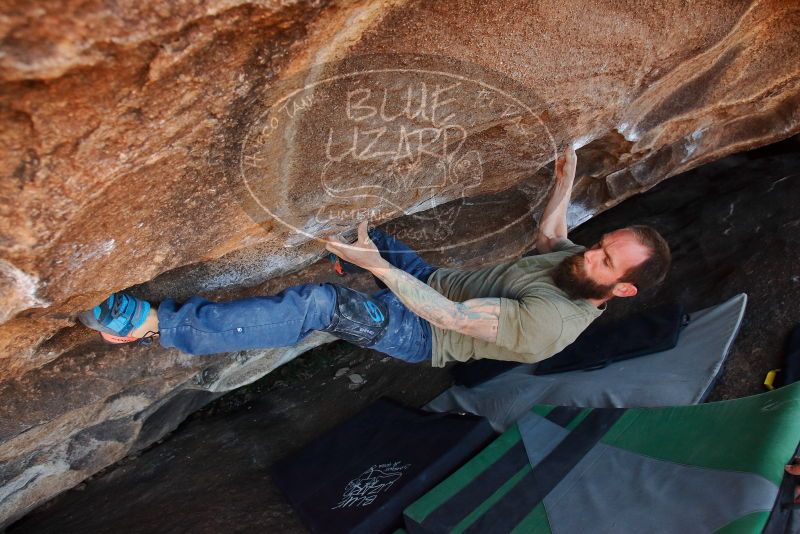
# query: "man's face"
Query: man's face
{"points": [[595, 273]]}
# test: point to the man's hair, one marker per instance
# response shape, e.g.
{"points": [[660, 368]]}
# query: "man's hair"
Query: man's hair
{"points": [[653, 270]]}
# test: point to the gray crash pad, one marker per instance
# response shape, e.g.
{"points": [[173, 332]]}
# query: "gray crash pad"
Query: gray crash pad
{"points": [[679, 376]]}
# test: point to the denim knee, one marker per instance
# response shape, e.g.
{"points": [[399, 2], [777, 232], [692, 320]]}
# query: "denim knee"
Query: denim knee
{"points": [[323, 300]]}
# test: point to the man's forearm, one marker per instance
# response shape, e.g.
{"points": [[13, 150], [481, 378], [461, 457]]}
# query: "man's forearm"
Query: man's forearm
{"points": [[477, 317], [554, 217], [419, 297], [553, 223]]}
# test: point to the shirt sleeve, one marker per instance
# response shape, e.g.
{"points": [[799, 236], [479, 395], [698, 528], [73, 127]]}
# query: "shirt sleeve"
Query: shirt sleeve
{"points": [[529, 325], [565, 245]]}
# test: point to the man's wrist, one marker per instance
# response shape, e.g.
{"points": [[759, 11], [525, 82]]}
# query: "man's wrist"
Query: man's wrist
{"points": [[382, 268]]}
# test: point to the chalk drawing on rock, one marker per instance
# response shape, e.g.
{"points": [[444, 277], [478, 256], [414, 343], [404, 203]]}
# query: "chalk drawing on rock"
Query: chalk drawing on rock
{"points": [[378, 136]]}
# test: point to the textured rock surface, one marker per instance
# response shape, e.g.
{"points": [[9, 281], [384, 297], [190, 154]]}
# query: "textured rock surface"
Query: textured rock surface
{"points": [[130, 133], [730, 234]]}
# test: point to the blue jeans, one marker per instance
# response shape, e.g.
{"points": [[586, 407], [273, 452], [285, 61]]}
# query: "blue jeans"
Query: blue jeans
{"points": [[199, 326]]}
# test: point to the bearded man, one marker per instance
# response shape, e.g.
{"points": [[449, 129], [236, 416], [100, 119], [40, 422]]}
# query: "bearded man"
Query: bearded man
{"points": [[524, 310]]}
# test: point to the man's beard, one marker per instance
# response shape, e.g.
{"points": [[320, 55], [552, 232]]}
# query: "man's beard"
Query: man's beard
{"points": [[570, 277]]}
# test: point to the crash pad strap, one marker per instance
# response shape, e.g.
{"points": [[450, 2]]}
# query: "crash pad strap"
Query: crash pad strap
{"points": [[535, 485], [491, 501], [490, 481], [562, 415]]}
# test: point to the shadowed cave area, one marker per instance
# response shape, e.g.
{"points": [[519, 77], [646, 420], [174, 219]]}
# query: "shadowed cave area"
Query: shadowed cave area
{"points": [[732, 226]]}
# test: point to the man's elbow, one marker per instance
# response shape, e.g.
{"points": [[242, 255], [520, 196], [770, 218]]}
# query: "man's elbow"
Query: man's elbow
{"points": [[544, 244], [448, 321], [458, 323], [453, 317]]}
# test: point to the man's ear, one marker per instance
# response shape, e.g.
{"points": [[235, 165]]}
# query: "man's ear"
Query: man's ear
{"points": [[624, 289]]}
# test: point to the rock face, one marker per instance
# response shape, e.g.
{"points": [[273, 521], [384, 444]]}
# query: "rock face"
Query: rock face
{"points": [[201, 146], [730, 234]]}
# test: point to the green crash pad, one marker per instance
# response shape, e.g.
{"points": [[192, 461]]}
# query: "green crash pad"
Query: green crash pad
{"points": [[703, 468]]}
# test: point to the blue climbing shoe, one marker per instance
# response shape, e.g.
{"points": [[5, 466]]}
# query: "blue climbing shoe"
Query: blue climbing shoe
{"points": [[119, 315]]}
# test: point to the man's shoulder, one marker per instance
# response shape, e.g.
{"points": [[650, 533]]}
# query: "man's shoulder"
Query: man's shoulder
{"points": [[563, 249], [559, 301], [565, 245]]}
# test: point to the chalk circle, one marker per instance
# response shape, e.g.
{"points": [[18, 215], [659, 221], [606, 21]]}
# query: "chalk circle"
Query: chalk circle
{"points": [[384, 136]]}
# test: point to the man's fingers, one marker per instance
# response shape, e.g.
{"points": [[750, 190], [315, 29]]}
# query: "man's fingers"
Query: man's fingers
{"points": [[342, 248], [363, 237], [570, 155], [334, 244], [793, 469]]}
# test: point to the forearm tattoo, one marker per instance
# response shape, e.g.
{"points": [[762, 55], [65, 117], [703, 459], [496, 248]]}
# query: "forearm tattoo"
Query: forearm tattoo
{"points": [[477, 317]]}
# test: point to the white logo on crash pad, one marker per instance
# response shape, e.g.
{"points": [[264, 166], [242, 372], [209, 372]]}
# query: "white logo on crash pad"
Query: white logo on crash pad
{"points": [[363, 490]]}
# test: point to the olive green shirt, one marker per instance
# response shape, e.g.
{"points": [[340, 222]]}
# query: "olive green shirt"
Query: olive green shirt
{"points": [[537, 319]]}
